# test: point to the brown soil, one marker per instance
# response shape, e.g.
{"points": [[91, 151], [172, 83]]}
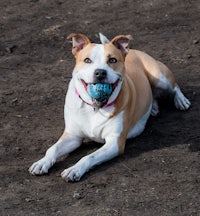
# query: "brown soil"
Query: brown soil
{"points": [[159, 174]]}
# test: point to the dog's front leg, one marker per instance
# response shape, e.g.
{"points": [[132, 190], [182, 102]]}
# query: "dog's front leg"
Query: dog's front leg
{"points": [[108, 151], [66, 144]]}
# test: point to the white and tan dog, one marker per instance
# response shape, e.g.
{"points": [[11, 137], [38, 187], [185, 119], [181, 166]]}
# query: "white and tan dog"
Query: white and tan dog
{"points": [[134, 75]]}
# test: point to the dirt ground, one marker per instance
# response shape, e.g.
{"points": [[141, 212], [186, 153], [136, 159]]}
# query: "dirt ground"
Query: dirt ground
{"points": [[159, 174]]}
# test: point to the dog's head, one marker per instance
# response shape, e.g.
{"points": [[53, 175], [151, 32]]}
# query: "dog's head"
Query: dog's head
{"points": [[99, 64]]}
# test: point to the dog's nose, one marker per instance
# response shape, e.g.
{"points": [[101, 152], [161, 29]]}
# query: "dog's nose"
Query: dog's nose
{"points": [[100, 74]]}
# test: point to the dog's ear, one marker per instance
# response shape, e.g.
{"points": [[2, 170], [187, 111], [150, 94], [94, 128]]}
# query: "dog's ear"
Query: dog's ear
{"points": [[79, 41], [122, 42]]}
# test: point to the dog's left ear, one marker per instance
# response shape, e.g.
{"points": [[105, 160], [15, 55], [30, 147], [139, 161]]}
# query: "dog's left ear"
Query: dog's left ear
{"points": [[122, 42], [79, 41]]}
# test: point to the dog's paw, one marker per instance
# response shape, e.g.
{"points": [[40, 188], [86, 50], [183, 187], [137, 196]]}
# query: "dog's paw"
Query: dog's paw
{"points": [[180, 101], [72, 174], [155, 108], [41, 167]]}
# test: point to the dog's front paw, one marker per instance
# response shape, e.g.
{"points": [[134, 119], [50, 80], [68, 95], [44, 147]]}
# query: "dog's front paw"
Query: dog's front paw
{"points": [[73, 173], [41, 167]]}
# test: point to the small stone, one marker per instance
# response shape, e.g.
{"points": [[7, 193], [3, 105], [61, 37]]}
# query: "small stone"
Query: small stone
{"points": [[11, 49], [195, 41], [48, 17], [77, 195], [189, 56], [15, 100], [28, 199]]}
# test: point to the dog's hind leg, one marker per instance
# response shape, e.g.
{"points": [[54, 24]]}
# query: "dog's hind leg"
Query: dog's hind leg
{"points": [[165, 83], [66, 144], [180, 101], [162, 81]]}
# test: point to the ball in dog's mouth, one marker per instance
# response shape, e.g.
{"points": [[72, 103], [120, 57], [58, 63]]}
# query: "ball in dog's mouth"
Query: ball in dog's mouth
{"points": [[99, 91]]}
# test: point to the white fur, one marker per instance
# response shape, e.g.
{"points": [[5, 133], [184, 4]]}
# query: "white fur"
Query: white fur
{"points": [[140, 125], [103, 38], [180, 101], [164, 83]]}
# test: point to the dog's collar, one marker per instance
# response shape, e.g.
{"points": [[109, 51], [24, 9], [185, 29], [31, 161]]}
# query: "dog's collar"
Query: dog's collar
{"points": [[106, 105]]}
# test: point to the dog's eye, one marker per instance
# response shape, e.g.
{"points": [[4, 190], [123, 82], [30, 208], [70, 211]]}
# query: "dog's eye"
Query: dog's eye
{"points": [[87, 60], [112, 60]]}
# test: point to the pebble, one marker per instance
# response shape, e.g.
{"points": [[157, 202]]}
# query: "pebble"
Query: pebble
{"points": [[10, 49], [195, 41], [77, 195]]}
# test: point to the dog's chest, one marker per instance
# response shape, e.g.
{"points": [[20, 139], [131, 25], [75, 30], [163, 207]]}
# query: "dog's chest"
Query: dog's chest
{"points": [[93, 126], [82, 120], [88, 123]]}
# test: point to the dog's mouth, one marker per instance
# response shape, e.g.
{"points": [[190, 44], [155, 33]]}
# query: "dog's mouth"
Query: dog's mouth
{"points": [[100, 92]]}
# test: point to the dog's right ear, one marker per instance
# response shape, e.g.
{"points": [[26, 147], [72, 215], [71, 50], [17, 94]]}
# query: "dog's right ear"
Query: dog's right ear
{"points": [[79, 41]]}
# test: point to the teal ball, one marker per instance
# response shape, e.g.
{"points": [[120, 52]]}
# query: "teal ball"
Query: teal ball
{"points": [[99, 91]]}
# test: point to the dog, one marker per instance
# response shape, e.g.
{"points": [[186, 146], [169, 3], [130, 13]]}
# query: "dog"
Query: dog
{"points": [[134, 78]]}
